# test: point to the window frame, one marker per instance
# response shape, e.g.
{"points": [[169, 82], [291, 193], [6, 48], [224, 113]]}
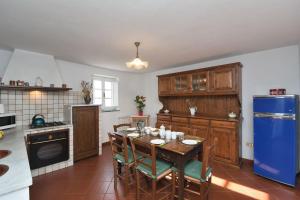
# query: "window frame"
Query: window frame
{"points": [[114, 91]]}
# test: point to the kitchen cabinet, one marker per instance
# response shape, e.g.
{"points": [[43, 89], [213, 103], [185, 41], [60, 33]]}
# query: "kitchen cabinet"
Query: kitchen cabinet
{"points": [[180, 124], [163, 120], [216, 80], [223, 79], [200, 128], [225, 130], [181, 83], [164, 85], [200, 82], [181, 128], [85, 121], [226, 149]]}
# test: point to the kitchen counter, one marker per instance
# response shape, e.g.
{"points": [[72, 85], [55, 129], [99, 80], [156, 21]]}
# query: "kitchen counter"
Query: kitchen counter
{"points": [[18, 177]]}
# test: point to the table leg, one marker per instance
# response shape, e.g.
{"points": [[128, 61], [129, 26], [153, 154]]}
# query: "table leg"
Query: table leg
{"points": [[180, 180]]}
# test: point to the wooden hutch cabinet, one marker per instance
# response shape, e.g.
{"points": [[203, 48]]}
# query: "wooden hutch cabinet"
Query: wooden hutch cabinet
{"points": [[216, 92]]}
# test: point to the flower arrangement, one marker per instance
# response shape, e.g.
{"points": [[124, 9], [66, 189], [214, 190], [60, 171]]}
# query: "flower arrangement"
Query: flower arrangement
{"points": [[86, 91], [140, 103]]}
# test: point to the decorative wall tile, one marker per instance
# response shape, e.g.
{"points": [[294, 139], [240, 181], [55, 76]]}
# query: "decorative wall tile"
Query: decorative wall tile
{"points": [[28, 103]]}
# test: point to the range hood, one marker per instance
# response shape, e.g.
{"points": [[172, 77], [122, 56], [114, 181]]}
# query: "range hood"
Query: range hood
{"points": [[27, 66]]}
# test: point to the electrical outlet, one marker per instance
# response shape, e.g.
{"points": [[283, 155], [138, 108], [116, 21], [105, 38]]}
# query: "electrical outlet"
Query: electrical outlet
{"points": [[249, 144]]}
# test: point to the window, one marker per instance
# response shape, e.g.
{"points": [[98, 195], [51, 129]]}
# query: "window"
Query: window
{"points": [[105, 92]]}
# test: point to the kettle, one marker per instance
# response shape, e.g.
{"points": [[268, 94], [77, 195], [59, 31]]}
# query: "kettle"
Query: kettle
{"points": [[38, 120]]}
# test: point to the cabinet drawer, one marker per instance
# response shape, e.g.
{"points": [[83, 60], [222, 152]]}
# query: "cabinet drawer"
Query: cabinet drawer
{"points": [[163, 118], [167, 124], [196, 121], [180, 119], [224, 124], [181, 128]]}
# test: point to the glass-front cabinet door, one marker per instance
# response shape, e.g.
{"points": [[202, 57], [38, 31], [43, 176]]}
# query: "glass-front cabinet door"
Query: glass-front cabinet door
{"points": [[200, 82], [182, 83]]}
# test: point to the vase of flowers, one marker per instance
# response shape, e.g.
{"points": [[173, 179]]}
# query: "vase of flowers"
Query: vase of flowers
{"points": [[86, 91], [140, 104]]}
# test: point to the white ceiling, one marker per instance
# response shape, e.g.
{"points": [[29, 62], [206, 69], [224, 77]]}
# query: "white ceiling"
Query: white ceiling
{"points": [[172, 32]]}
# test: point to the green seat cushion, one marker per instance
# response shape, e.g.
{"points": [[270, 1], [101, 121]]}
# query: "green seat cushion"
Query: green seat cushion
{"points": [[161, 167], [119, 157], [193, 169]]}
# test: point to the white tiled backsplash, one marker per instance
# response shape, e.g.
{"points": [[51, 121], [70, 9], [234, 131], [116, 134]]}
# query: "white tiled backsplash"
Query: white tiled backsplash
{"points": [[28, 103]]}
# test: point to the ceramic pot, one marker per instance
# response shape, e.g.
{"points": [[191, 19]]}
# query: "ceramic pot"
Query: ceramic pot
{"points": [[140, 113], [87, 99]]}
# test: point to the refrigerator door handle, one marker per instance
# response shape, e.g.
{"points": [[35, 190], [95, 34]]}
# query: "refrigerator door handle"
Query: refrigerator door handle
{"points": [[275, 116]]}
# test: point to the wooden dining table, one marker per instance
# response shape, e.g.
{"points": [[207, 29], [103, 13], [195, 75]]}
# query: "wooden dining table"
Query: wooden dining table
{"points": [[174, 151]]}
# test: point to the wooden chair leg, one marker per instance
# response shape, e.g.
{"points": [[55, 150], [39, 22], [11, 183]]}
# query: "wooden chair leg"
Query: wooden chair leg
{"points": [[138, 184], [126, 179], [153, 189], [115, 166], [173, 185], [203, 191]]}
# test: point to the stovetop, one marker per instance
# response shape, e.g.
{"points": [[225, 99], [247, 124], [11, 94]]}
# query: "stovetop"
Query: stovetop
{"points": [[48, 124]]}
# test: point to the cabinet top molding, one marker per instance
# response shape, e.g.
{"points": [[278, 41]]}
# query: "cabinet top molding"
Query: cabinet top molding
{"points": [[203, 69]]}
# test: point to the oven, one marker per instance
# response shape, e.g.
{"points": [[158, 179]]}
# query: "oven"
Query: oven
{"points": [[48, 148]]}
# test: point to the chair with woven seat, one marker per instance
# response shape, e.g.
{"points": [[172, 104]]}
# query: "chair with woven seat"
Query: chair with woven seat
{"points": [[148, 165], [122, 156], [199, 173], [119, 127]]}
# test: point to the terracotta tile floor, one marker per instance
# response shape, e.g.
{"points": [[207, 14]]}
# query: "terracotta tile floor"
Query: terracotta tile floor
{"points": [[91, 179]]}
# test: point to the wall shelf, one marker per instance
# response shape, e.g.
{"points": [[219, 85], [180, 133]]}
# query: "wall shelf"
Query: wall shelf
{"points": [[32, 88]]}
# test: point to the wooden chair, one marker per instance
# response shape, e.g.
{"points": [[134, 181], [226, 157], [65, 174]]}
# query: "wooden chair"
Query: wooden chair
{"points": [[119, 126], [122, 156], [198, 173], [150, 167]]}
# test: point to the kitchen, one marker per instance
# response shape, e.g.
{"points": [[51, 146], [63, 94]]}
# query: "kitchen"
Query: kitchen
{"points": [[46, 83]]}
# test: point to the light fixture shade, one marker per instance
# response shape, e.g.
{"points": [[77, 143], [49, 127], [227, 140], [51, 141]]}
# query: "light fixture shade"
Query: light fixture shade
{"points": [[137, 63]]}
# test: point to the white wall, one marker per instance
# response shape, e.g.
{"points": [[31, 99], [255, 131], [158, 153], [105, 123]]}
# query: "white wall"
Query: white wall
{"points": [[26, 66], [276, 68], [4, 59], [130, 85]]}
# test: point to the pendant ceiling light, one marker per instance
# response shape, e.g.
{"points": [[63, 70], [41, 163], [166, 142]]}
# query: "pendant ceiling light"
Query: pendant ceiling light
{"points": [[137, 63]]}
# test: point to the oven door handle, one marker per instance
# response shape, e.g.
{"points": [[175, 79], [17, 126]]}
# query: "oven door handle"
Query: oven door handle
{"points": [[47, 141]]}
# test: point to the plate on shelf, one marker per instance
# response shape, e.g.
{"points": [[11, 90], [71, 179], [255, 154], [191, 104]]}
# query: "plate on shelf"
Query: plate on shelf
{"points": [[157, 141], [131, 129], [133, 134], [190, 142]]}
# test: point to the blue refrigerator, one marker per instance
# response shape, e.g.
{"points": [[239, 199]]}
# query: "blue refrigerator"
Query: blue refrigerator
{"points": [[276, 137]]}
